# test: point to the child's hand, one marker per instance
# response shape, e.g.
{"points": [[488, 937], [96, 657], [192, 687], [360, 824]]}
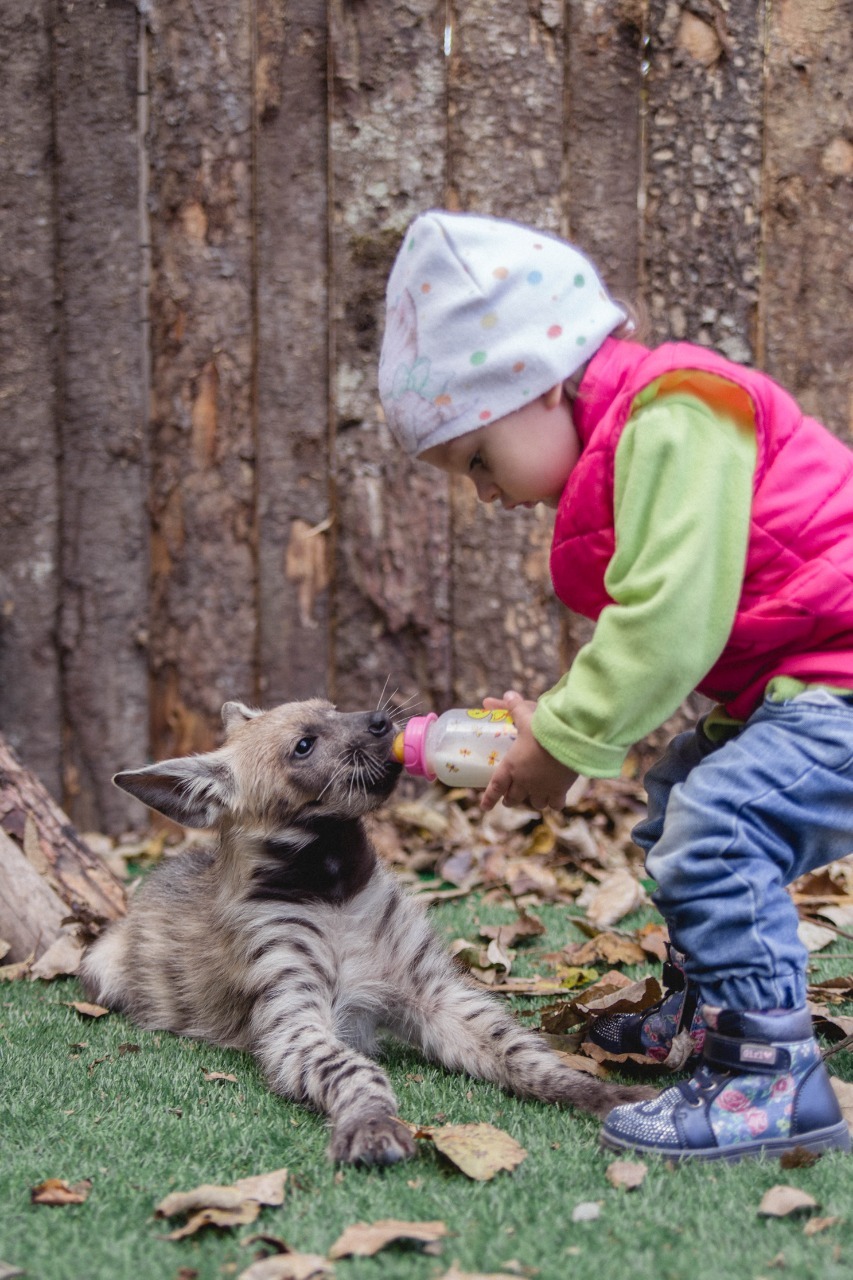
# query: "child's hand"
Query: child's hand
{"points": [[528, 774]]}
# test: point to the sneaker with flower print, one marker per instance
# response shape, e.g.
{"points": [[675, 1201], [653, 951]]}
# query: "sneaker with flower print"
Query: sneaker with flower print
{"points": [[761, 1087]]}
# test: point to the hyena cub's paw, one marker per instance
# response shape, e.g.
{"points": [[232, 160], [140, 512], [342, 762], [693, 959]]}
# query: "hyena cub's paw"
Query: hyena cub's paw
{"points": [[376, 1140]]}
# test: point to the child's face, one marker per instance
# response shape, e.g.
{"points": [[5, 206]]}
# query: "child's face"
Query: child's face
{"points": [[523, 458]]}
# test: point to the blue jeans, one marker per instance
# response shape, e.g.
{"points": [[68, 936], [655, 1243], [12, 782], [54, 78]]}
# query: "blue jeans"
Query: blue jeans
{"points": [[730, 826]]}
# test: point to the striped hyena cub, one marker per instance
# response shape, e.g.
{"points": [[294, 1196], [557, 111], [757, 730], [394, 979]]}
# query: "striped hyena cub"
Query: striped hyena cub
{"points": [[289, 940]]}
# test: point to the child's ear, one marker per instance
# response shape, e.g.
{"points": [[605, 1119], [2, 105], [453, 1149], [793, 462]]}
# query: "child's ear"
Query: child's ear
{"points": [[552, 397]]}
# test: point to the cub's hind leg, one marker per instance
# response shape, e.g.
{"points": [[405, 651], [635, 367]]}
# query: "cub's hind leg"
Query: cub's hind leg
{"points": [[466, 1030], [304, 1058]]}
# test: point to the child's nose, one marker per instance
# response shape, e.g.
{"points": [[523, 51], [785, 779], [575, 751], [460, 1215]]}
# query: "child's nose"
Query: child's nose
{"points": [[487, 490]]}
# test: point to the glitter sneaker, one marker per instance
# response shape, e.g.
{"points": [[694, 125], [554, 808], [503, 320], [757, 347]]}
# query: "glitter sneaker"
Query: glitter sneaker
{"points": [[761, 1088]]}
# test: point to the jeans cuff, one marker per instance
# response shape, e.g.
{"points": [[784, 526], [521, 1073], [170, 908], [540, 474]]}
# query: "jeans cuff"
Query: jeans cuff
{"points": [[756, 993]]}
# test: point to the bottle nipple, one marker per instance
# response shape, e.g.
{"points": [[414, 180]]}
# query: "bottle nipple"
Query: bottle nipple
{"points": [[398, 749]]}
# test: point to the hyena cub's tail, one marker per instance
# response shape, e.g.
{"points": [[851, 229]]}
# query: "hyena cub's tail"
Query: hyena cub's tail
{"points": [[102, 972]]}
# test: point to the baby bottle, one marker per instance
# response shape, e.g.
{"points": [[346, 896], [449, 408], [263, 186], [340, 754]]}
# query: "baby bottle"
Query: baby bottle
{"points": [[461, 747]]}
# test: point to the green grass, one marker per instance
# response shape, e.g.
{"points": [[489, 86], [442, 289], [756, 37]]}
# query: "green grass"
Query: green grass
{"points": [[140, 1124]]}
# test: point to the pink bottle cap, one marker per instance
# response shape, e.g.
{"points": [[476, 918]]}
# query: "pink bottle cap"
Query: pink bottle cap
{"points": [[409, 746]]}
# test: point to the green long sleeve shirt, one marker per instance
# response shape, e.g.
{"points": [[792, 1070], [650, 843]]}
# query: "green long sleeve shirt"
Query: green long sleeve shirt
{"points": [[682, 500]]}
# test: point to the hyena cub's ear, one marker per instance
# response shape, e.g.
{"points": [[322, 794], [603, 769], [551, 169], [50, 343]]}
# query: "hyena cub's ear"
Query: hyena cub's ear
{"points": [[236, 713], [194, 791]]}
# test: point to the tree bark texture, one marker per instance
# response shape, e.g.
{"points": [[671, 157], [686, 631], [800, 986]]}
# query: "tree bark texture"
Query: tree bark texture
{"points": [[391, 620], [104, 597], [29, 454], [199, 498]]}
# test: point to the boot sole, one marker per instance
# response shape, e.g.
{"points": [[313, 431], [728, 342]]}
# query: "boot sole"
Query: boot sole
{"points": [[834, 1138]]}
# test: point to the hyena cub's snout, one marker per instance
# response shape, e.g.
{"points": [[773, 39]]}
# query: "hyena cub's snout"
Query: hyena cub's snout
{"points": [[368, 737]]}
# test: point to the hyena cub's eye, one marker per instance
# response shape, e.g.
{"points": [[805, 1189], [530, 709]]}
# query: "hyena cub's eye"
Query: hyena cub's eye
{"points": [[304, 747]]}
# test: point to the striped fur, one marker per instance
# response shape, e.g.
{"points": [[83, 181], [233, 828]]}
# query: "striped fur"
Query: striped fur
{"points": [[289, 939]]}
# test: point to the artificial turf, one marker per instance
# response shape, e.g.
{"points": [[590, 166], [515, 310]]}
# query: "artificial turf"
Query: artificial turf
{"points": [[76, 1102]]}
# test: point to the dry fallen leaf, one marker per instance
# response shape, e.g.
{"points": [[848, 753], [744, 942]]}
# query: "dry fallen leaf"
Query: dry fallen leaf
{"points": [[815, 937], [288, 1266], [62, 957], [478, 1150], [616, 896], [782, 1201], [223, 1206], [240, 1216], [816, 1225], [9, 1272], [57, 1191], [609, 949], [628, 1174], [14, 972], [219, 1075], [843, 1091], [87, 1010], [364, 1239]]}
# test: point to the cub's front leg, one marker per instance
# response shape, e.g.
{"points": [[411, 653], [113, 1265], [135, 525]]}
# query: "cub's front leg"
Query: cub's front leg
{"points": [[304, 1059]]}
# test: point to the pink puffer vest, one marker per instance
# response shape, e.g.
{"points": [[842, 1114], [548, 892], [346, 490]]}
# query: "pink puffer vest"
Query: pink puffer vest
{"points": [[795, 614]]}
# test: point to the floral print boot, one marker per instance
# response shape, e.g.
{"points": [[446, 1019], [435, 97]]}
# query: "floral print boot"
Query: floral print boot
{"points": [[652, 1032], [761, 1087]]}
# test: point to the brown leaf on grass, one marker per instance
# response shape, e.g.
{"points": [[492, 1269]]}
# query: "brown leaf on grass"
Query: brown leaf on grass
{"points": [[816, 1225], [8, 1271], [781, 1201], [57, 1191], [240, 1216], [653, 939], [627, 1174], [578, 1062], [87, 1010], [607, 948], [478, 1150], [219, 1075], [61, 958], [223, 1206], [623, 997], [814, 937], [288, 1266], [843, 1091], [364, 1239], [615, 897], [507, 935], [14, 972]]}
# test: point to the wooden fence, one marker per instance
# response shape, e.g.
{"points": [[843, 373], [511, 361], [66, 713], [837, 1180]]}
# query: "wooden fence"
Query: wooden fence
{"points": [[199, 204]]}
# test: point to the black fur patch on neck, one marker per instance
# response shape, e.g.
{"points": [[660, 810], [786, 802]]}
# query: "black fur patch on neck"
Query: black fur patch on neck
{"points": [[334, 867]]}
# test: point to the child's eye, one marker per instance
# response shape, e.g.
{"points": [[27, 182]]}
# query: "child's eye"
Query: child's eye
{"points": [[476, 461]]}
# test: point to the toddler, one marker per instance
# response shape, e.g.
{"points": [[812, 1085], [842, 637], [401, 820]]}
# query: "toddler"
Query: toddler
{"points": [[704, 522]]}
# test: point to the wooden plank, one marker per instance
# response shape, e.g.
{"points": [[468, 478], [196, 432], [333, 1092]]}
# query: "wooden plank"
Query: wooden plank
{"points": [[104, 524], [292, 356], [203, 620], [505, 158], [30, 712], [703, 172], [808, 224], [391, 603]]}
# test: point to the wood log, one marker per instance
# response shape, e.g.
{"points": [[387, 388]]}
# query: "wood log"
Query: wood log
{"points": [[51, 883]]}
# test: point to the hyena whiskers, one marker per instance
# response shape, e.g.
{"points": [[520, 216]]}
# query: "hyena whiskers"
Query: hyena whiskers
{"points": [[289, 940]]}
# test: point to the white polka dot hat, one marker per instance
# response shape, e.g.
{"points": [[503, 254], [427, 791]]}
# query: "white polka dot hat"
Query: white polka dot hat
{"points": [[483, 316]]}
